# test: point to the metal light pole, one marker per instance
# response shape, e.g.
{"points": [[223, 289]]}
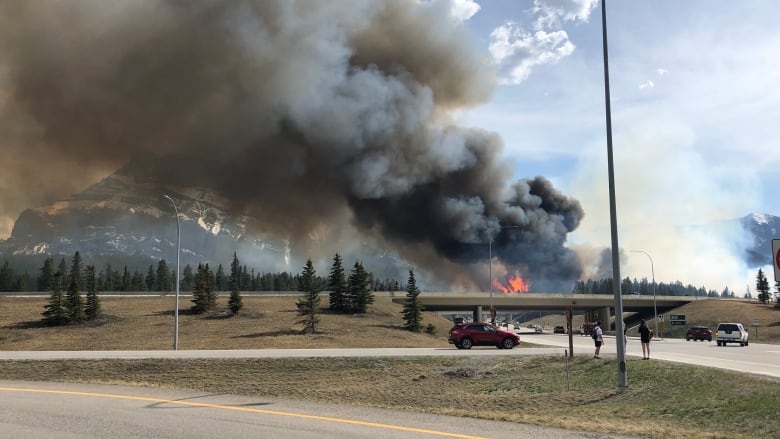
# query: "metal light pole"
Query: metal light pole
{"points": [[652, 271], [621, 348], [490, 270], [178, 258]]}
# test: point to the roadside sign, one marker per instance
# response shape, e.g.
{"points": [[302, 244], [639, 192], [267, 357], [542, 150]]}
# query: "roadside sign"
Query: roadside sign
{"points": [[676, 319], [776, 258], [755, 322]]}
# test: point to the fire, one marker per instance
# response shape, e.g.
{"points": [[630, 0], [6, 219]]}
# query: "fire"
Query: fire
{"points": [[514, 284]]}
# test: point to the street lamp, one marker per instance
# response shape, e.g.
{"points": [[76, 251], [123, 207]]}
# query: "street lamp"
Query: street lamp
{"points": [[178, 254], [490, 269], [652, 271]]}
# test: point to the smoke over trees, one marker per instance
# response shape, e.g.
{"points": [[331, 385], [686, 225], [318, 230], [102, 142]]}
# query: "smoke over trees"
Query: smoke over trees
{"points": [[337, 114]]}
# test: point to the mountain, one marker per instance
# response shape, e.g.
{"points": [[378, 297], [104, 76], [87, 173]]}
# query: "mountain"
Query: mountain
{"points": [[762, 228], [126, 214]]}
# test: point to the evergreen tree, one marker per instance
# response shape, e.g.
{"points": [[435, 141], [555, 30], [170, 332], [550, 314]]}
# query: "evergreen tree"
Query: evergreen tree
{"points": [[235, 303], [74, 304], [337, 285], [187, 279], [92, 307], [221, 279], [412, 310], [203, 296], [47, 275], [108, 279], [359, 294], [309, 304], [126, 280], [7, 277], [164, 280], [151, 279], [762, 286], [55, 313], [137, 282]]}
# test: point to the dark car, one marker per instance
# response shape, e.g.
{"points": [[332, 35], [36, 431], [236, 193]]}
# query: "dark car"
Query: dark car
{"points": [[559, 330], [697, 333], [481, 334]]}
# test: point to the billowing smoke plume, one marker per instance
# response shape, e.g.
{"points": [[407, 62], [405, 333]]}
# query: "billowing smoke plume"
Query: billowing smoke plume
{"points": [[306, 115]]}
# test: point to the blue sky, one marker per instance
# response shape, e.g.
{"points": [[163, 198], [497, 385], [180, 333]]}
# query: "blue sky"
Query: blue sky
{"points": [[695, 108]]}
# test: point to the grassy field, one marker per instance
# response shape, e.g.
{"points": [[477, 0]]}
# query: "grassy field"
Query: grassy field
{"points": [[663, 399]]}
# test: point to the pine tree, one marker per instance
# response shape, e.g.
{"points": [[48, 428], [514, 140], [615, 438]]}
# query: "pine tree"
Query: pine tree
{"points": [[126, 279], [221, 279], [187, 279], [151, 279], [55, 313], [164, 279], [309, 304], [204, 298], [92, 307], [235, 303], [762, 286], [412, 310], [7, 277], [74, 303], [359, 290], [47, 275], [337, 285]]}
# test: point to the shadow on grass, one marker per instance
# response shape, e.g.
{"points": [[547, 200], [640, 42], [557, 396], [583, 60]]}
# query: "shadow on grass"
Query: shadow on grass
{"points": [[33, 324], [269, 334]]}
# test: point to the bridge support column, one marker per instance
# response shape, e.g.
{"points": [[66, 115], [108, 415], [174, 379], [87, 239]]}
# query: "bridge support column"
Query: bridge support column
{"points": [[603, 316], [477, 313]]}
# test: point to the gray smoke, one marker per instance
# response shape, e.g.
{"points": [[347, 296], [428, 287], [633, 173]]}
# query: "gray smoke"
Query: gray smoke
{"points": [[306, 115]]}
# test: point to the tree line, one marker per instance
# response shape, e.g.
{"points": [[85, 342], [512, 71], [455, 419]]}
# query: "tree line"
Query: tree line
{"points": [[161, 277]]}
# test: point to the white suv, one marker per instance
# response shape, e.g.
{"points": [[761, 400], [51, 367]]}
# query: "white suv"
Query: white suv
{"points": [[731, 333]]}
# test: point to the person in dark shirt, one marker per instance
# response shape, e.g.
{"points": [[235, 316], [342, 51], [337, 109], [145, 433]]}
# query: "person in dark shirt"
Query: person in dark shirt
{"points": [[645, 334]]}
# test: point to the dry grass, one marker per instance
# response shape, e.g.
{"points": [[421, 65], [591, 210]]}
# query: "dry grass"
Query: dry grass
{"points": [[146, 323], [676, 400]]}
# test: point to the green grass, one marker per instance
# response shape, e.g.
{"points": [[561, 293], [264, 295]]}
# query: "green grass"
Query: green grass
{"points": [[663, 399]]}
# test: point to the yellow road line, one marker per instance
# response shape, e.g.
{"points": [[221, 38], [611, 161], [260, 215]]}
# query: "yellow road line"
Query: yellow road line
{"points": [[244, 409]]}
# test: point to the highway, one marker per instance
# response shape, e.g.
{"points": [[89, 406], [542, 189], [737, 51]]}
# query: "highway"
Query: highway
{"points": [[42, 410]]}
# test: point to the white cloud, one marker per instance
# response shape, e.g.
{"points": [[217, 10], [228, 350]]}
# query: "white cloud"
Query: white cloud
{"points": [[647, 84], [661, 71], [517, 52], [553, 12], [462, 10]]}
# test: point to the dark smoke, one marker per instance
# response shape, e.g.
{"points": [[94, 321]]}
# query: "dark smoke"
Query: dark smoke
{"points": [[313, 118]]}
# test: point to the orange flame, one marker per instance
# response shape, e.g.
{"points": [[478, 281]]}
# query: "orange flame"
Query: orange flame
{"points": [[514, 284]]}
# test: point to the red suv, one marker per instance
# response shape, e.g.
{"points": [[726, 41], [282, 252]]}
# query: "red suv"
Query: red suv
{"points": [[466, 335], [697, 333]]}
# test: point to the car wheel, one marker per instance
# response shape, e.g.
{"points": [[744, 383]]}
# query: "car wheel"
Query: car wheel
{"points": [[507, 343], [687, 339], [742, 343], [466, 343]]}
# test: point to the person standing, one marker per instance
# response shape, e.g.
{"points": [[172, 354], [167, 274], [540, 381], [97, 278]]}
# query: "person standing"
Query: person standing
{"points": [[645, 334], [598, 339]]}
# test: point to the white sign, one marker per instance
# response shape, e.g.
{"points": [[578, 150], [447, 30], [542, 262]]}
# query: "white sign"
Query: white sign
{"points": [[755, 322], [776, 258]]}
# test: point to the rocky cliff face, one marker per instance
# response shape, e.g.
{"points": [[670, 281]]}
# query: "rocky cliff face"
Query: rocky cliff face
{"points": [[763, 229], [126, 214]]}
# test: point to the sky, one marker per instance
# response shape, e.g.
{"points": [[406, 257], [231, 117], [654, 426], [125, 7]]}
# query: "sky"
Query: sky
{"points": [[695, 103], [693, 97]]}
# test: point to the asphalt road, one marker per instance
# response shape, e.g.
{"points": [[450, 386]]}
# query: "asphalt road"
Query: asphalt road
{"points": [[43, 410], [80, 411]]}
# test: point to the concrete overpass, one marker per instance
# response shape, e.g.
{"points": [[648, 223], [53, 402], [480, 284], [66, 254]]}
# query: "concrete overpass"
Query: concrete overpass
{"points": [[594, 306]]}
